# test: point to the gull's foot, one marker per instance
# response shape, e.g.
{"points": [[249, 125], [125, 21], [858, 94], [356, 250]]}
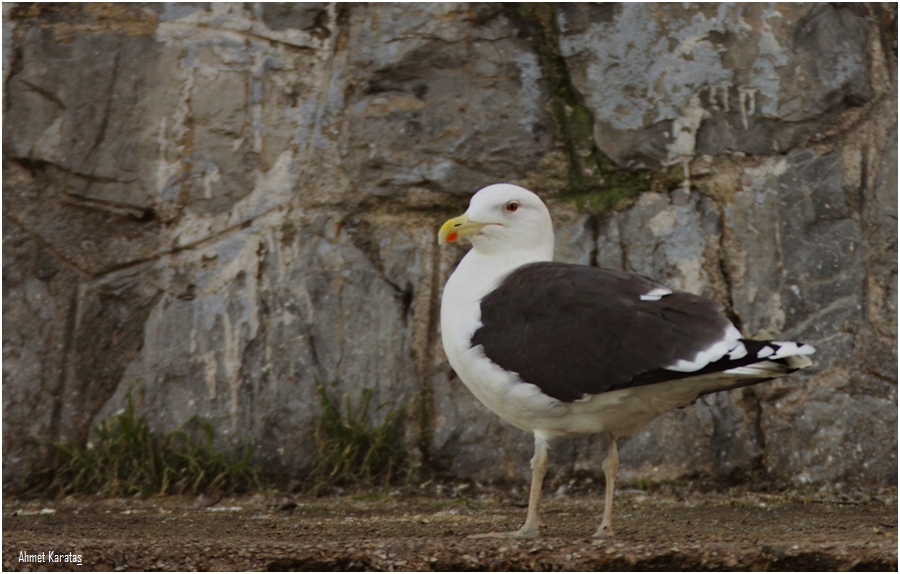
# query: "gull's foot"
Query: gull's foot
{"points": [[523, 532], [604, 532]]}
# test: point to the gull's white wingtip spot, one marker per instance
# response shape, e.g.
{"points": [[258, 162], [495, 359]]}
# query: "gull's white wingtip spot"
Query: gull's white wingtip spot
{"points": [[656, 294]]}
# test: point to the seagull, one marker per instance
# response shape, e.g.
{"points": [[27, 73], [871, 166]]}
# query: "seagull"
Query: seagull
{"points": [[562, 350]]}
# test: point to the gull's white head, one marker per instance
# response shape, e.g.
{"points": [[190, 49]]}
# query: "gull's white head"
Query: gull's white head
{"points": [[504, 219]]}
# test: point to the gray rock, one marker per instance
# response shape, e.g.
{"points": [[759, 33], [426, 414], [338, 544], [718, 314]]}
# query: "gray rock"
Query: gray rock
{"points": [[441, 103], [742, 77], [673, 238], [879, 358], [574, 235], [266, 315], [306, 16], [833, 437], [87, 121], [69, 341], [91, 236], [215, 206], [823, 276], [38, 293], [794, 212]]}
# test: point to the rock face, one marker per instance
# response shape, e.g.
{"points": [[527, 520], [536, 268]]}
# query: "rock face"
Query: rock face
{"points": [[215, 207], [745, 77]]}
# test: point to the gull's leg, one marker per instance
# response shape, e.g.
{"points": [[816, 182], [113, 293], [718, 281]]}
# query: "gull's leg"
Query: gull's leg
{"points": [[533, 519], [610, 469], [538, 471]]}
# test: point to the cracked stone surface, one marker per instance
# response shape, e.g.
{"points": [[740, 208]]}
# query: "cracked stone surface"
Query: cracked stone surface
{"points": [[216, 206], [453, 103], [762, 79]]}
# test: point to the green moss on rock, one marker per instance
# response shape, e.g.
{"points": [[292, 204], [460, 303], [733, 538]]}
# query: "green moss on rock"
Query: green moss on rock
{"points": [[595, 183]]}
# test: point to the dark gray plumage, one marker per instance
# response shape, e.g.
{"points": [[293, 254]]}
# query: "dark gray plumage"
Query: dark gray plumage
{"points": [[573, 330]]}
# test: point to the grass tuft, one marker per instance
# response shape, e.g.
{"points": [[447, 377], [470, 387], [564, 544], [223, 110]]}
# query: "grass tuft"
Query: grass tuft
{"points": [[126, 458], [353, 450]]}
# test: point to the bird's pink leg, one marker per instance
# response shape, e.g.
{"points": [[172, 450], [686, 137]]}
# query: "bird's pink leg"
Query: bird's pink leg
{"points": [[610, 469], [533, 519]]}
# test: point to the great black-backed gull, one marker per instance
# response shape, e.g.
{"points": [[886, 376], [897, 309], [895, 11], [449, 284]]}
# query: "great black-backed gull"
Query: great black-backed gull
{"points": [[567, 350]]}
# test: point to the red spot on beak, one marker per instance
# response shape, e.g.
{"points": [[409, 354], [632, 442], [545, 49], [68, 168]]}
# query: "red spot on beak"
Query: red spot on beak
{"points": [[451, 237]]}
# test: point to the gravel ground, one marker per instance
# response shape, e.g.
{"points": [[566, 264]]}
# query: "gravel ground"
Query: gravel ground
{"points": [[427, 530]]}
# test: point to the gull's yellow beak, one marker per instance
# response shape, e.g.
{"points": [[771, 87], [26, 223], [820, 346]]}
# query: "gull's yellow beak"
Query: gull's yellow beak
{"points": [[453, 229]]}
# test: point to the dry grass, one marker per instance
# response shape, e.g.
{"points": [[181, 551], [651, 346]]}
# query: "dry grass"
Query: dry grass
{"points": [[125, 457], [354, 450]]}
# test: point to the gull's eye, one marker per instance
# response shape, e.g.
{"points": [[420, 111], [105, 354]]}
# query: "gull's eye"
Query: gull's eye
{"points": [[512, 206]]}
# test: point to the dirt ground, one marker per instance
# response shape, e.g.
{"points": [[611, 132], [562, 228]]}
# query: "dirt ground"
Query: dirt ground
{"points": [[427, 529]]}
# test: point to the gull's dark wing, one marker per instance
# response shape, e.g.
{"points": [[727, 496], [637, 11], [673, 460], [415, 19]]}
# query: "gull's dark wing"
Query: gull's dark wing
{"points": [[574, 330]]}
